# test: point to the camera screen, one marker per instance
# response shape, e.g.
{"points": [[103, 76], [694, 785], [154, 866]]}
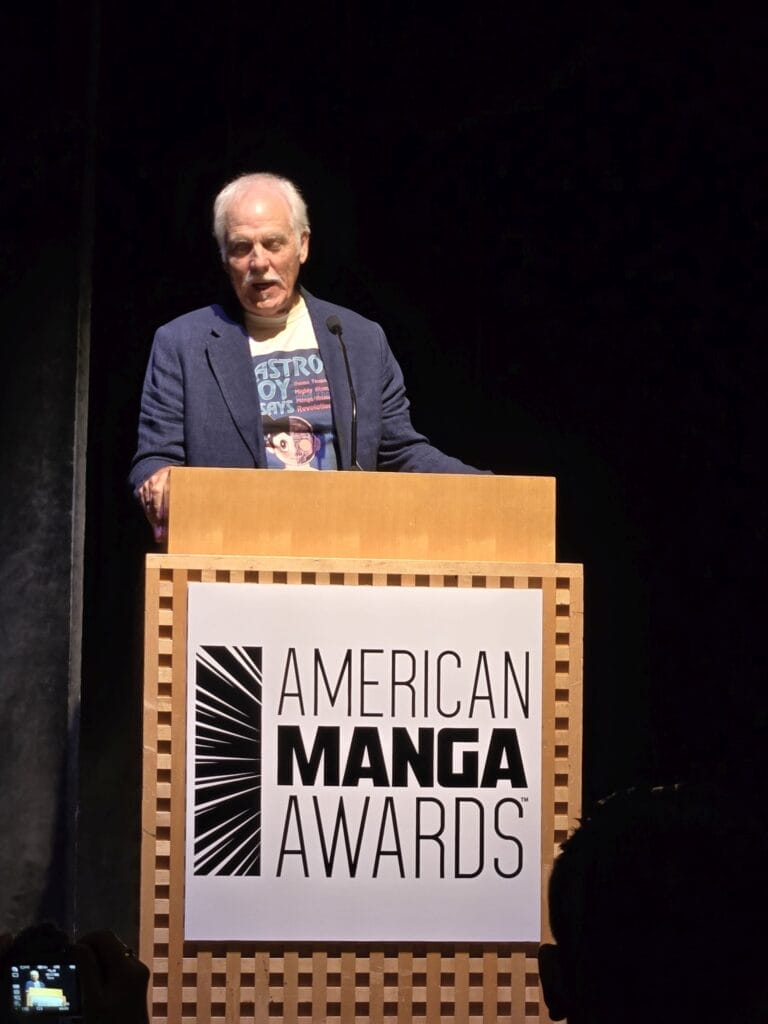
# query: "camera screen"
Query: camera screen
{"points": [[44, 988]]}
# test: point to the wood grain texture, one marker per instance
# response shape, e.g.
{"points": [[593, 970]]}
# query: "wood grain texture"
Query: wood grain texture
{"points": [[247, 982], [396, 515]]}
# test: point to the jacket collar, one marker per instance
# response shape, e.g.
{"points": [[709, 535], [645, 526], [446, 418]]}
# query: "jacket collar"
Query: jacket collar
{"points": [[229, 357], [335, 371]]}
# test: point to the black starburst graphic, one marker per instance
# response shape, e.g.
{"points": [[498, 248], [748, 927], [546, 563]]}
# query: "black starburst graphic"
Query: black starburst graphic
{"points": [[227, 782]]}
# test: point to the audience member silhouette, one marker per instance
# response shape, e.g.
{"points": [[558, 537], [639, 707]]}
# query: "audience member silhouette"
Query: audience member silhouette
{"points": [[658, 910]]}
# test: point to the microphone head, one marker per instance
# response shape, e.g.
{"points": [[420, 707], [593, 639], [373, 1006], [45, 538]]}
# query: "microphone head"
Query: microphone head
{"points": [[333, 324]]}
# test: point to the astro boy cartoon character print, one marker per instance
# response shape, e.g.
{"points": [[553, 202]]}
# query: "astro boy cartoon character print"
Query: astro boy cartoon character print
{"points": [[291, 443]]}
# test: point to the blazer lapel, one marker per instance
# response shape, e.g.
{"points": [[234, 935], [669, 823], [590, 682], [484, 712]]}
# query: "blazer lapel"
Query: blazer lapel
{"points": [[335, 371], [229, 356]]}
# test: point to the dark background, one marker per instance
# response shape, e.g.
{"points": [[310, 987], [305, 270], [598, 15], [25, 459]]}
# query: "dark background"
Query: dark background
{"points": [[560, 220]]}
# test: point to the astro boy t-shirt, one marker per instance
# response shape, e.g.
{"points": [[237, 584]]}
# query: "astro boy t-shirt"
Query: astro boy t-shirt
{"points": [[293, 391]]}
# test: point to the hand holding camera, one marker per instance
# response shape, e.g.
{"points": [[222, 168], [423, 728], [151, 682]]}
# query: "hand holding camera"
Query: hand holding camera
{"points": [[96, 980]]}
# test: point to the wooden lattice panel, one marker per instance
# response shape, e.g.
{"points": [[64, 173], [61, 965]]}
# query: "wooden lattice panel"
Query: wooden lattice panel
{"points": [[246, 983]]}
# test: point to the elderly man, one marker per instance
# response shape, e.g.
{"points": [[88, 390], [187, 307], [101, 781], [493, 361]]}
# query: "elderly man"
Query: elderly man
{"points": [[216, 382]]}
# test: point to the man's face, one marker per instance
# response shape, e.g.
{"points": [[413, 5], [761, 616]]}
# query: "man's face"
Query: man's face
{"points": [[263, 253]]}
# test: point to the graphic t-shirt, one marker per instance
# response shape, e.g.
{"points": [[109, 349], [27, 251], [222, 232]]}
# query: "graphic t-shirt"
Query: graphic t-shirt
{"points": [[293, 391]]}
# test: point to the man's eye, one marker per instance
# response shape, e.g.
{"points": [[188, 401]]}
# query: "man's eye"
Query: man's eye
{"points": [[240, 249], [273, 244]]}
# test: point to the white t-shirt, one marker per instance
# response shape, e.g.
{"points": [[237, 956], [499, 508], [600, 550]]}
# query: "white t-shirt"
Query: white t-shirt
{"points": [[293, 391]]}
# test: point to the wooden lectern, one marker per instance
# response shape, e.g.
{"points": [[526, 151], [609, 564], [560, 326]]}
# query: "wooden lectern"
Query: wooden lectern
{"points": [[350, 529]]}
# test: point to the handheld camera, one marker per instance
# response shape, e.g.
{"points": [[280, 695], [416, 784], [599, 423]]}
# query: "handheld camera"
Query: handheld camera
{"points": [[43, 990]]}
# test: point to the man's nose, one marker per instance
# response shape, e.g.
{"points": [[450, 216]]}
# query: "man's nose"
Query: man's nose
{"points": [[259, 259]]}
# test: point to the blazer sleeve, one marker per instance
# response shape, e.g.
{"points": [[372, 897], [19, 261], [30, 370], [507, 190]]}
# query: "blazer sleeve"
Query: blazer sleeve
{"points": [[161, 420]]}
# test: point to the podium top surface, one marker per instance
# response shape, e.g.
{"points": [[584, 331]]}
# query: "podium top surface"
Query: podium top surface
{"points": [[361, 515]]}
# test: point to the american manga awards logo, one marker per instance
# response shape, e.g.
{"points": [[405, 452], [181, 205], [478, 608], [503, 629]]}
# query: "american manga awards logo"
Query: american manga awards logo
{"points": [[367, 767]]}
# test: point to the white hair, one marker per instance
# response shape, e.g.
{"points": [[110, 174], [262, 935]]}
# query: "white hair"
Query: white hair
{"points": [[237, 188]]}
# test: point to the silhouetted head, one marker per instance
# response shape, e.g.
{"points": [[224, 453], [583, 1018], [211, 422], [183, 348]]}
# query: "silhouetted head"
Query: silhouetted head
{"points": [[658, 908]]}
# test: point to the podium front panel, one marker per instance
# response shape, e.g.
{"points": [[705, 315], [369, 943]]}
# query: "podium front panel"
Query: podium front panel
{"points": [[303, 982]]}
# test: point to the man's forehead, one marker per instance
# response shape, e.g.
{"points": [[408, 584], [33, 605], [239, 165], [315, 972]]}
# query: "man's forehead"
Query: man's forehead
{"points": [[261, 206]]}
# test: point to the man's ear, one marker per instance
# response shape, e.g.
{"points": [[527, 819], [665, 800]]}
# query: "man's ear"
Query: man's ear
{"points": [[304, 247], [551, 974]]}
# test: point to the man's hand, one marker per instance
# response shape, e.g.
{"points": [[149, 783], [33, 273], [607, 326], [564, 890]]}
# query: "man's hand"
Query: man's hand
{"points": [[153, 495], [113, 981]]}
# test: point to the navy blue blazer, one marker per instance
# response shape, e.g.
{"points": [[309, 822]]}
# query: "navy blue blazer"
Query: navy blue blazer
{"points": [[200, 405]]}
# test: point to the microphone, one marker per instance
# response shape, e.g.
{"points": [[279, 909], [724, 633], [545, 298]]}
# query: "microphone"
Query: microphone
{"points": [[334, 326]]}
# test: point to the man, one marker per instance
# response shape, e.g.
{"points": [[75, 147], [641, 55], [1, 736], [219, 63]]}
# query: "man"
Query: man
{"points": [[658, 907], [33, 981], [214, 377]]}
